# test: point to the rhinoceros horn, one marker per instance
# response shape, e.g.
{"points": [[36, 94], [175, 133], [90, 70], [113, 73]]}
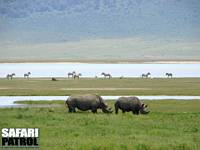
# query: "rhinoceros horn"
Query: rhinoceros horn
{"points": [[107, 109]]}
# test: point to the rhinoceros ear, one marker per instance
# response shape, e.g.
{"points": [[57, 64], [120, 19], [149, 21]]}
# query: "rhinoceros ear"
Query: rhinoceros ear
{"points": [[145, 106], [142, 105]]}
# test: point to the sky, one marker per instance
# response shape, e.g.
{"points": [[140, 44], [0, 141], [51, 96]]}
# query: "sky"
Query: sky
{"points": [[35, 24]]}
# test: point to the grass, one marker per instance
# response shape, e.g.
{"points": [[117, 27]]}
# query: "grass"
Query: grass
{"points": [[115, 86], [171, 125]]}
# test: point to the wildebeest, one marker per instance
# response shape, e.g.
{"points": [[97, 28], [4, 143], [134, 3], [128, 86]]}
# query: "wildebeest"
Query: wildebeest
{"points": [[133, 104], [87, 102]]}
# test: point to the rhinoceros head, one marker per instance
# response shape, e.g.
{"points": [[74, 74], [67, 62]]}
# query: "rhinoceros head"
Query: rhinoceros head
{"points": [[105, 108], [143, 109]]}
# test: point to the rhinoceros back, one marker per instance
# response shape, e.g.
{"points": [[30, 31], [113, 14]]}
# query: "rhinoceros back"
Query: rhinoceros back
{"points": [[125, 102], [84, 102]]}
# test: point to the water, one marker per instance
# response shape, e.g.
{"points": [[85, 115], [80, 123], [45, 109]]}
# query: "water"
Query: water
{"points": [[91, 70], [8, 101]]}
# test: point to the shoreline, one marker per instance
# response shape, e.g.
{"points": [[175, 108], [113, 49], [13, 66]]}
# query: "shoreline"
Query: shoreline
{"points": [[108, 62]]}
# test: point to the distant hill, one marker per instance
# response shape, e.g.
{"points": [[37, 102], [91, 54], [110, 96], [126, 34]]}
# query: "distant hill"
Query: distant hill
{"points": [[99, 30]]}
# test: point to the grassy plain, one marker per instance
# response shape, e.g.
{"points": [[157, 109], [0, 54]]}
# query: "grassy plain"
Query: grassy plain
{"points": [[171, 125], [114, 86]]}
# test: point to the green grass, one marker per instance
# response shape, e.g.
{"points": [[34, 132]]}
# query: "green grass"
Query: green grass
{"points": [[115, 86], [171, 125], [156, 106]]}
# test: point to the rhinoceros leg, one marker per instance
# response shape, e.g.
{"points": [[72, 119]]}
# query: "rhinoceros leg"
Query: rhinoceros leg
{"points": [[94, 110], [72, 109], [69, 110], [116, 109], [136, 112], [123, 111]]}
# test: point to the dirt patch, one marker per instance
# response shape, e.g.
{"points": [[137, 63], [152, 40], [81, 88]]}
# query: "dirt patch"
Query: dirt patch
{"points": [[102, 89], [8, 88], [4, 88]]}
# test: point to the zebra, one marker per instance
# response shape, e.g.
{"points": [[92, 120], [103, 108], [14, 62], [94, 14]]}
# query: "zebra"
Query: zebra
{"points": [[26, 75], [106, 75], [77, 76], [10, 76], [71, 74], [169, 75], [146, 75]]}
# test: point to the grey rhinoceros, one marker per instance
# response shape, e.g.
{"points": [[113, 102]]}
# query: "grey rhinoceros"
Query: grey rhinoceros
{"points": [[87, 102], [133, 104]]}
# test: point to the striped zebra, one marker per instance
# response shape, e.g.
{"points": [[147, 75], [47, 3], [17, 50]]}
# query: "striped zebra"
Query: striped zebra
{"points": [[106, 75], [146, 75], [10, 76], [77, 76], [26, 75], [169, 75], [71, 74]]}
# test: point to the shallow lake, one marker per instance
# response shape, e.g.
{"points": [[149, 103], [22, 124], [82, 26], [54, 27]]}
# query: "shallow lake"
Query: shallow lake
{"points": [[8, 101], [91, 70]]}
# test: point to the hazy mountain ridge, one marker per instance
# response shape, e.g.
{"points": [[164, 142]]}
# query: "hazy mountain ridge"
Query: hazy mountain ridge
{"points": [[99, 29], [54, 21], [24, 8]]}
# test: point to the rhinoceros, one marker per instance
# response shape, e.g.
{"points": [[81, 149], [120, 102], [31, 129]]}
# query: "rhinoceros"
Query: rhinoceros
{"points": [[87, 102], [133, 104]]}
